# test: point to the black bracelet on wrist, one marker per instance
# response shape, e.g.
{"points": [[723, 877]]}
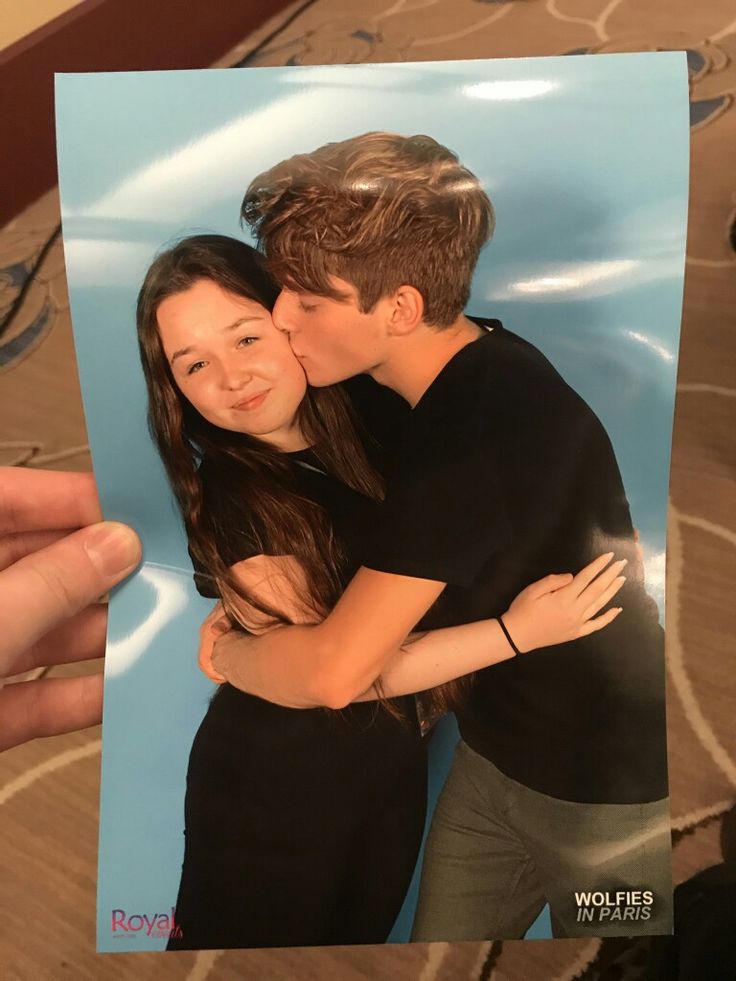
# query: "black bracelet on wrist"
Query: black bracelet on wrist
{"points": [[514, 648]]}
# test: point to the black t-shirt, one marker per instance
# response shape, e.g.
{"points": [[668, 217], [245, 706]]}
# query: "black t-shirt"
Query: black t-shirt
{"points": [[274, 779], [504, 476], [383, 414], [351, 516], [349, 513]]}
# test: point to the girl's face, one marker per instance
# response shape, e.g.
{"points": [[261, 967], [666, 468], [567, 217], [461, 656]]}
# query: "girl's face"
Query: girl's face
{"points": [[231, 363]]}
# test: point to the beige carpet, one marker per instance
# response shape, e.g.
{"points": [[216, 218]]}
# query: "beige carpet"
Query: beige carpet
{"points": [[48, 789]]}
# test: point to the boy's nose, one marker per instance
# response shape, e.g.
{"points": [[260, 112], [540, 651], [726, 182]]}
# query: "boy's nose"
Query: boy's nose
{"points": [[282, 313]]}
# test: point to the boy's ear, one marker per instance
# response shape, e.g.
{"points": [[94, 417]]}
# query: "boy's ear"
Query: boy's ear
{"points": [[407, 310]]}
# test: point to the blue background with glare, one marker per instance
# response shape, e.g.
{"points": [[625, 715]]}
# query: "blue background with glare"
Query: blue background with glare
{"points": [[585, 160]]}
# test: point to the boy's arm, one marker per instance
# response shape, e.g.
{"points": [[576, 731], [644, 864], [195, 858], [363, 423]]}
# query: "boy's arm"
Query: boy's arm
{"points": [[331, 663], [551, 611]]}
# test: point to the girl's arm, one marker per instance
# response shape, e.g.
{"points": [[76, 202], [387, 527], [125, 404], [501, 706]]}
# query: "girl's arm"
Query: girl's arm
{"points": [[551, 611], [276, 581]]}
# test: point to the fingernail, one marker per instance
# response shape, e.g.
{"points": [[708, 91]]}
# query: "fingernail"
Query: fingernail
{"points": [[623, 562], [621, 579], [113, 548]]}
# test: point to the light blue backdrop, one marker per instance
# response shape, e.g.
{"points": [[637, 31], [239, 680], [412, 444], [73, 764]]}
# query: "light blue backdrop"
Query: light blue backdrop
{"points": [[585, 160]]}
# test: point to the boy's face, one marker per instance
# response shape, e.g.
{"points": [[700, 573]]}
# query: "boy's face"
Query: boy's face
{"points": [[331, 338]]}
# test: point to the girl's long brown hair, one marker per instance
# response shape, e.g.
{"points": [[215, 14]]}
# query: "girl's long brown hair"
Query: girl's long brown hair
{"points": [[248, 496]]}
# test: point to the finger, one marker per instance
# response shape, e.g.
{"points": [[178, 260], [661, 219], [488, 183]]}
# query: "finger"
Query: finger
{"points": [[550, 584], [41, 590], [204, 655], [210, 629], [36, 500], [210, 673], [605, 598], [221, 626], [600, 622], [80, 639], [588, 574], [216, 613], [212, 670], [601, 584], [31, 709], [19, 544], [219, 650]]}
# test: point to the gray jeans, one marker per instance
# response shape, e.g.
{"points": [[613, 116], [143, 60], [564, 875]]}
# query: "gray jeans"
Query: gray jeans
{"points": [[498, 851]]}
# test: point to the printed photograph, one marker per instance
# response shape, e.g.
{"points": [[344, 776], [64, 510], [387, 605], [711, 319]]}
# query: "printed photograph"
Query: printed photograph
{"points": [[380, 361]]}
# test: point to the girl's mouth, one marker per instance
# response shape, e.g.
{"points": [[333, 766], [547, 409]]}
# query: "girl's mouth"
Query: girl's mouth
{"points": [[254, 402]]}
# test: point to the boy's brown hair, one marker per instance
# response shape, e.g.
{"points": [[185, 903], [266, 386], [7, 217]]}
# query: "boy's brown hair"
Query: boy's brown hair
{"points": [[379, 211]]}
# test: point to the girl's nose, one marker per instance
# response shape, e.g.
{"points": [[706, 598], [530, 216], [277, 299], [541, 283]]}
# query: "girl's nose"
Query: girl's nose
{"points": [[235, 378]]}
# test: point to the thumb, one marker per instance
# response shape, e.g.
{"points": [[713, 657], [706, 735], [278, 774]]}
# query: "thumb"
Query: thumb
{"points": [[49, 586]]}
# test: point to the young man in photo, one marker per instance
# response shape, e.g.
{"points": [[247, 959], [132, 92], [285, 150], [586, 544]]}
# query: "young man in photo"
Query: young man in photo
{"points": [[558, 791]]}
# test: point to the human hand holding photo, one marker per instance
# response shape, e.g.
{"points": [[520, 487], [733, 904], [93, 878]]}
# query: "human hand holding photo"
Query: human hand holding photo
{"points": [[57, 559]]}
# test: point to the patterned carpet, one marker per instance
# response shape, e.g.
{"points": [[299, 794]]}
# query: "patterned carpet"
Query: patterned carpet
{"points": [[48, 789]]}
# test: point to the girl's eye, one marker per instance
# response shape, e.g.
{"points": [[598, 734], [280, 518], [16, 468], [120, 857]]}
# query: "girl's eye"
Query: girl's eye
{"points": [[307, 307], [194, 368], [246, 341]]}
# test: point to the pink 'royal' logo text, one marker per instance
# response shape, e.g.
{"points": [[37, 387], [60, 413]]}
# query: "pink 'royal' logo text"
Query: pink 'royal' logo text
{"points": [[153, 924]]}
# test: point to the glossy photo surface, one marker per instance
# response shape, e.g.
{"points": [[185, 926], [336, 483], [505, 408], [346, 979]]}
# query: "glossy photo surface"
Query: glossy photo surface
{"points": [[586, 162]]}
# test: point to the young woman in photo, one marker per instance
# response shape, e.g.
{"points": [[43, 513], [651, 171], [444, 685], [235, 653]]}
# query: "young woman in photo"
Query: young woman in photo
{"points": [[302, 826]]}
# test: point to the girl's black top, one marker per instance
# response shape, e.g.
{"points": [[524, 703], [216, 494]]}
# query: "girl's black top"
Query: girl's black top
{"points": [[302, 826], [360, 742]]}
